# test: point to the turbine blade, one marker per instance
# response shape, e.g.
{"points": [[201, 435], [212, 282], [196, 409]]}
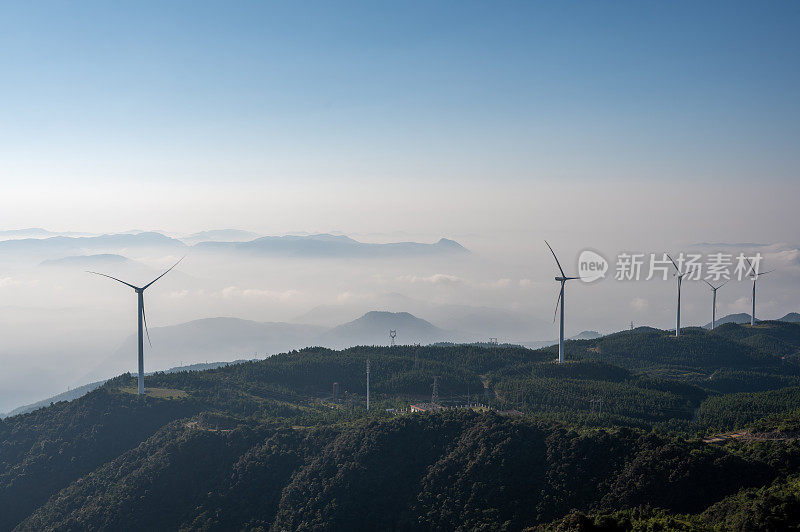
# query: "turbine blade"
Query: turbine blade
{"points": [[558, 263], [163, 274], [752, 269], [723, 284], [557, 303], [118, 280], [674, 264], [711, 285], [765, 273], [146, 330]]}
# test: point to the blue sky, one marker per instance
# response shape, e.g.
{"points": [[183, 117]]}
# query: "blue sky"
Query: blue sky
{"points": [[123, 93]]}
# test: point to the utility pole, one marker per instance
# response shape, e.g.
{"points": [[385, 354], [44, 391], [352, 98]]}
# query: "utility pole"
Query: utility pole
{"points": [[367, 385]]}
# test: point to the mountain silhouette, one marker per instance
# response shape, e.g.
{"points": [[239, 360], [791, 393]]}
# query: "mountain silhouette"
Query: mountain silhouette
{"points": [[373, 329], [792, 317], [226, 339], [739, 318], [326, 245]]}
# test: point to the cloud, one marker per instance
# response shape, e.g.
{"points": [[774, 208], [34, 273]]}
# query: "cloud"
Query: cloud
{"points": [[234, 292], [347, 296], [7, 281], [178, 294], [742, 304], [639, 304], [436, 278], [499, 283], [525, 283], [787, 260]]}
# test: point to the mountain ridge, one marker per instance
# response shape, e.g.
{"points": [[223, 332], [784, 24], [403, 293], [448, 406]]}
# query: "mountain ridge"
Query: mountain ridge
{"points": [[224, 339], [328, 245], [52, 246], [744, 318]]}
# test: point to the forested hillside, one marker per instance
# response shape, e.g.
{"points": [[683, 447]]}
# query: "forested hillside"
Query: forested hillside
{"points": [[636, 429]]}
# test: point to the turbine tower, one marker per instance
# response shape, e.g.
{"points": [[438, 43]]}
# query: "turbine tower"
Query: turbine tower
{"points": [[562, 279], [714, 302], [680, 280], [755, 277], [142, 318]]}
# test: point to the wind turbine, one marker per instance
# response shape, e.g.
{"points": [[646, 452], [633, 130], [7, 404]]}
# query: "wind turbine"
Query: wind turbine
{"points": [[680, 280], [714, 302], [562, 279], [755, 277], [142, 318]]}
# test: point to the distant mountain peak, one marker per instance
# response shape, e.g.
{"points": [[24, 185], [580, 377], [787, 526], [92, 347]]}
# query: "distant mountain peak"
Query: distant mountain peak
{"points": [[373, 329], [329, 236], [792, 317], [744, 318], [738, 318], [220, 235], [373, 315], [446, 242]]}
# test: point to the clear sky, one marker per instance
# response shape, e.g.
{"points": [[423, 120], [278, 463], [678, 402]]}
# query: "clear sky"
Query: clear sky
{"points": [[202, 102]]}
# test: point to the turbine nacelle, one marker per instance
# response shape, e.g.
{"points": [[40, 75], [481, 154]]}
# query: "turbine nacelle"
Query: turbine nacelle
{"points": [[759, 274], [715, 288], [754, 273]]}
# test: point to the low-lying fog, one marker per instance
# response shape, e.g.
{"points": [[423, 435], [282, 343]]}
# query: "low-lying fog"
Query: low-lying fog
{"points": [[62, 327]]}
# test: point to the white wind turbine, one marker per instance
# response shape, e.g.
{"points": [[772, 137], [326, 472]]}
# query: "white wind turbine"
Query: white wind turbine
{"points": [[562, 279], [680, 280], [755, 275], [142, 318], [714, 302]]}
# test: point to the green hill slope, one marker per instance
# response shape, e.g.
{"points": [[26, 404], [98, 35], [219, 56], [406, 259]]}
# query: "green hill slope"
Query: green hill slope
{"points": [[456, 470], [261, 444]]}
